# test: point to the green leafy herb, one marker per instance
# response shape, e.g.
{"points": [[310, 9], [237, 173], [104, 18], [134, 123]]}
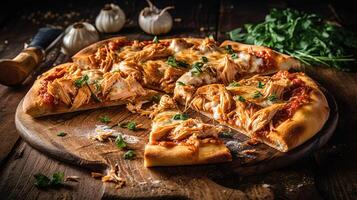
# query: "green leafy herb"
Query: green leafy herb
{"points": [[226, 134], [196, 68], [42, 181], [257, 94], [234, 55], [272, 98], [176, 63], [234, 84], [129, 155], [119, 141], [180, 116], [180, 83], [81, 81], [229, 49], [260, 85], [61, 134], [204, 59], [156, 40], [156, 98], [239, 98], [304, 36], [104, 119], [131, 125]]}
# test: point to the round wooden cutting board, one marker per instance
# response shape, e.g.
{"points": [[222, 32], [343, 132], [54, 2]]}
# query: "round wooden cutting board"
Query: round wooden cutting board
{"points": [[183, 181]]}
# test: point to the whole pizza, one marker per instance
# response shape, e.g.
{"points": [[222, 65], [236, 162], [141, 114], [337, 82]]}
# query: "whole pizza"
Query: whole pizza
{"points": [[247, 88]]}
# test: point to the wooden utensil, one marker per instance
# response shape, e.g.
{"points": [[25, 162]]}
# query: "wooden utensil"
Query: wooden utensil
{"points": [[14, 71]]}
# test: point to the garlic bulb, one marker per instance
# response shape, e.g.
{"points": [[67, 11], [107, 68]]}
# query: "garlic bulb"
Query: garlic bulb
{"points": [[78, 36], [155, 21], [110, 19]]}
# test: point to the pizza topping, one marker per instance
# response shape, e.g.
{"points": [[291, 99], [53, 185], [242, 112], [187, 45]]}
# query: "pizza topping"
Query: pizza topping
{"points": [[227, 70], [179, 44], [62, 89], [208, 45], [176, 63]]}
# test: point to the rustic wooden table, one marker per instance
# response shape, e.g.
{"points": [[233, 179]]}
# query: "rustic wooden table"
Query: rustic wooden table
{"points": [[330, 172]]}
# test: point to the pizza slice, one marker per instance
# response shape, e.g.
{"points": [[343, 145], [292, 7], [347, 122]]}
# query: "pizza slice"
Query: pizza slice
{"points": [[282, 111], [228, 62], [176, 139], [69, 87]]}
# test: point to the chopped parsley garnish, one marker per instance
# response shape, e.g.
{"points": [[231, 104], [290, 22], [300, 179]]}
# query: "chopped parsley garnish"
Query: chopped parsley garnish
{"points": [[176, 63], [226, 134], [119, 141], [81, 81], [104, 119], [179, 116], [196, 68], [260, 85], [156, 40], [234, 84], [129, 155], [42, 181], [234, 55], [131, 125], [257, 94], [180, 83], [272, 98], [229, 49], [204, 59], [239, 98], [61, 134]]}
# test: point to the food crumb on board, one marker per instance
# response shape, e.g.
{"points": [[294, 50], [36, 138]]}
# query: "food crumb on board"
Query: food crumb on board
{"points": [[112, 176], [104, 133]]}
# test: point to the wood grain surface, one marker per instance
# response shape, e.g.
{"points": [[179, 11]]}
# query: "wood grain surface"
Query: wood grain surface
{"points": [[329, 174]]}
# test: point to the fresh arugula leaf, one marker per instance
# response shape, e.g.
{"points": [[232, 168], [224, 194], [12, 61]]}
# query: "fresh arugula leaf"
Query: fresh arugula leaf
{"points": [[119, 142], [176, 63], [180, 116], [129, 155], [104, 119], [304, 36]]}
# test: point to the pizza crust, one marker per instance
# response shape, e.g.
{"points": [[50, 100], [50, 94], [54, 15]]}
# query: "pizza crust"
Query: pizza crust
{"points": [[157, 155]]}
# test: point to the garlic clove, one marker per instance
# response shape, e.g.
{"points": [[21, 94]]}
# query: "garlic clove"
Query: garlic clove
{"points": [[155, 21], [110, 19], [78, 36]]}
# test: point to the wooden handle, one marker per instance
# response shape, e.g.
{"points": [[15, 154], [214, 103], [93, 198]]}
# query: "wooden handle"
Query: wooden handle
{"points": [[14, 72]]}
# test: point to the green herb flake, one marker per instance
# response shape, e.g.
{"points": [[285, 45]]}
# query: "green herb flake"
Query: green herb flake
{"points": [[156, 40], [226, 135], [180, 83], [119, 142], [129, 155], [272, 98], [156, 98], [176, 63], [196, 68], [239, 98], [131, 125], [61, 134], [180, 116], [204, 59], [260, 85], [104, 119], [257, 94], [229, 49], [81, 81], [234, 84], [234, 56], [42, 181]]}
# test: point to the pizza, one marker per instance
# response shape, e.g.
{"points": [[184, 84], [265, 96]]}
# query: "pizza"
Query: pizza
{"points": [[248, 88], [177, 139], [282, 111]]}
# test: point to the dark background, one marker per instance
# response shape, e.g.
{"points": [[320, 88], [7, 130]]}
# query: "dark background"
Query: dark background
{"points": [[329, 173]]}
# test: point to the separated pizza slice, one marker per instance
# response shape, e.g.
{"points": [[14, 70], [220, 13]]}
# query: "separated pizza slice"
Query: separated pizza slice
{"points": [[176, 139], [283, 110], [229, 62], [70, 87]]}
